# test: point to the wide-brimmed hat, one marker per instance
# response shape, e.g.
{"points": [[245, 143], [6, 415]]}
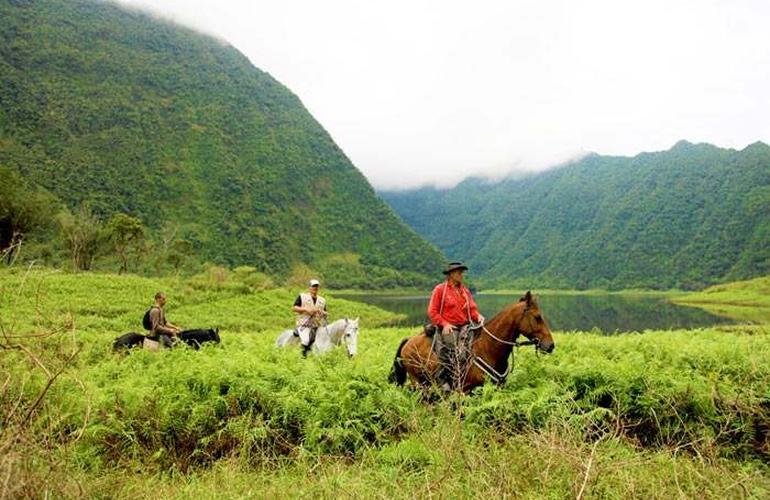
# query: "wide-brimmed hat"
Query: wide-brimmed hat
{"points": [[454, 266]]}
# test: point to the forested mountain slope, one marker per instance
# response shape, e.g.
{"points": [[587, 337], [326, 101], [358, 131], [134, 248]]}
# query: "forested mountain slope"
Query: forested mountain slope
{"points": [[687, 217], [134, 115]]}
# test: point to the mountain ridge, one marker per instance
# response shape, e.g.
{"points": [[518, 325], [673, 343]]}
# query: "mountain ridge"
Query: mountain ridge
{"points": [[517, 175], [655, 220], [130, 114]]}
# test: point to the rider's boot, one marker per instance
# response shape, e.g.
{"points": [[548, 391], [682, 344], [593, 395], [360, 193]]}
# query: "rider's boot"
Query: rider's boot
{"points": [[305, 350]]}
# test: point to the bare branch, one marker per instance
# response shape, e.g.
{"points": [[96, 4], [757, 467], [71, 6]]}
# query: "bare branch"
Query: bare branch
{"points": [[51, 380]]}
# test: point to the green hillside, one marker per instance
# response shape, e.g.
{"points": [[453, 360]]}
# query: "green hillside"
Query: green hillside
{"points": [[687, 217], [750, 293], [741, 300], [130, 114]]}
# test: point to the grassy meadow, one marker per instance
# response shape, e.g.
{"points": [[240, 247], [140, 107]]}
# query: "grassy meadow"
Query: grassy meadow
{"points": [[743, 300], [658, 414]]}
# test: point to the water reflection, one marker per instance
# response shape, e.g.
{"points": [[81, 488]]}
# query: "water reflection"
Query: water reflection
{"points": [[608, 313]]}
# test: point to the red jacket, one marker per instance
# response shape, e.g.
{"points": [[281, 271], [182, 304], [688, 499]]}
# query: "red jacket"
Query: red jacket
{"points": [[452, 305]]}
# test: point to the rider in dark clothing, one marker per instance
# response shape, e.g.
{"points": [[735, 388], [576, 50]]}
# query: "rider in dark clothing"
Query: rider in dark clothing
{"points": [[161, 330]]}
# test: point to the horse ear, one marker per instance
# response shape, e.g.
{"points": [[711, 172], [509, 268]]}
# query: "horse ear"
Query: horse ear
{"points": [[527, 298]]}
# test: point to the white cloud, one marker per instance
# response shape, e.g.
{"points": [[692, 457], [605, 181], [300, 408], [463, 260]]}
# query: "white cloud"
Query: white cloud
{"points": [[429, 92]]}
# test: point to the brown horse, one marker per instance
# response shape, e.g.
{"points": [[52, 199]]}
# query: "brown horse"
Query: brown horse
{"points": [[490, 349]]}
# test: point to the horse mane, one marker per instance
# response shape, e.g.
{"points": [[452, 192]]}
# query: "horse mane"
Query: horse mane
{"points": [[526, 302], [505, 312]]}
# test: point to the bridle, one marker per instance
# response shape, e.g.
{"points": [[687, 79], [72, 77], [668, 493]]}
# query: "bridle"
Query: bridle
{"points": [[347, 334], [497, 377]]}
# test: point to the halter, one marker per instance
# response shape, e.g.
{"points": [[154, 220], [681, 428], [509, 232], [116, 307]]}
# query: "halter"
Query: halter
{"points": [[346, 334]]}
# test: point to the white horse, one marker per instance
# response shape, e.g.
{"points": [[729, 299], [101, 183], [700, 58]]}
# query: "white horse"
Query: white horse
{"points": [[342, 331]]}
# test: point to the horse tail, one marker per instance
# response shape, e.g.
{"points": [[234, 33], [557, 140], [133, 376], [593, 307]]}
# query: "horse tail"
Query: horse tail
{"points": [[398, 372]]}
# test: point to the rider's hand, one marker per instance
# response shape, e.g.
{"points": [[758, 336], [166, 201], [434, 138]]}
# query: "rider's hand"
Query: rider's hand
{"points": [[447, 330], [481, 319]]}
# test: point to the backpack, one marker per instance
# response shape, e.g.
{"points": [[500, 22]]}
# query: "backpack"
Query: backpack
{"points": [[146, 321]]}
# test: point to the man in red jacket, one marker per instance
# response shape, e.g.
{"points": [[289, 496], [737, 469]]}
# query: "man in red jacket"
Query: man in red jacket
{"points": [[451, 308], [451, 304]]}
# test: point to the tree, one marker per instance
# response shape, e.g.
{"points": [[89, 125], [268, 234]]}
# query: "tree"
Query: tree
{"points": [[83, 234], [126, 235], [23, 209], [178, 253]]}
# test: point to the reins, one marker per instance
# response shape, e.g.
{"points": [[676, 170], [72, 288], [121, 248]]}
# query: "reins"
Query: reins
{"points": [[310, 320], [482, 364], [508, 342], [513, 343]]}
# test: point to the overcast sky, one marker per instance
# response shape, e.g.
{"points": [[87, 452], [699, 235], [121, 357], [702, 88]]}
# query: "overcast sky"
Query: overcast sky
{"points": [[429, 92]]}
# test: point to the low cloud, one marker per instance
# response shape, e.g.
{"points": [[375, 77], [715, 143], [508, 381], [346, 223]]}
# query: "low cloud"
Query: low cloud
{"points": [[428, 93]]}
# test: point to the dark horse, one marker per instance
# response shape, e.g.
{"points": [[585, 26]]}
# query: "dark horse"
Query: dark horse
{"points": [[491, 346], [193, 338]]}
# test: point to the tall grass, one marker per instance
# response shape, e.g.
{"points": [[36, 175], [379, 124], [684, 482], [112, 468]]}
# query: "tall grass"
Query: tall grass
{"points": [[602, 416]]}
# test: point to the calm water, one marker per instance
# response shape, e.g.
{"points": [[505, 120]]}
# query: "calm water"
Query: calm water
{"points": [[608, 313]]}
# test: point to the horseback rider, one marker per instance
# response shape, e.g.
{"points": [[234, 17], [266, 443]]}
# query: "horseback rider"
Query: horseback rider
{"points": [[311, 311], [451, 309], [161, 330]]}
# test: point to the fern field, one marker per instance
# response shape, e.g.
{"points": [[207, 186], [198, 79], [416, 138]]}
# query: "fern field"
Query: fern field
{"points": [[656, 414]]}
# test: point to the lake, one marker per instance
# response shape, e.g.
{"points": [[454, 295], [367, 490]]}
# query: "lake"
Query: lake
{"points": [[609, 313]]}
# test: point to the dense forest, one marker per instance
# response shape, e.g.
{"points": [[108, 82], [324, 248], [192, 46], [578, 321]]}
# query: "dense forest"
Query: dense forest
{"points": [[177, 145], [687, 217]]}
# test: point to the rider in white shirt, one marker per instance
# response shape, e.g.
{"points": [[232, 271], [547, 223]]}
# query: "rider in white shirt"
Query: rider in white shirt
{"points": [[311, 311]]}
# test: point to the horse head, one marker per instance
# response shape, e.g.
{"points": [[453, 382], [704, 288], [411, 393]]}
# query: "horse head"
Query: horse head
{"points": [[532, 325], [350, 336], [195, 338]]}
